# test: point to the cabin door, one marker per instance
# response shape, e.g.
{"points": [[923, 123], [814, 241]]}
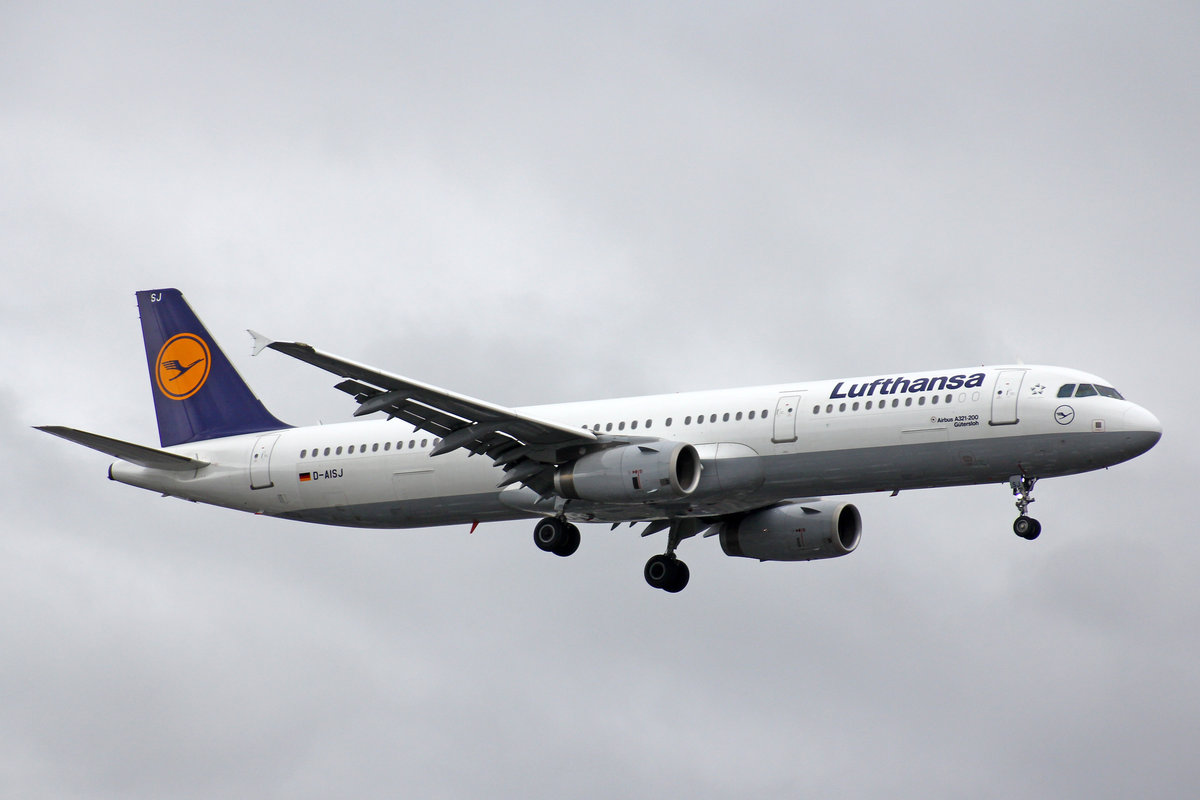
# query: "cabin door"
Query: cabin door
{"points": [[1004, 396], [260, 462], [786, 411]]}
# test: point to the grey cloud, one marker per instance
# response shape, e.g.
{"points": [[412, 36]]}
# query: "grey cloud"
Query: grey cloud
{"points": [[536, 204]]}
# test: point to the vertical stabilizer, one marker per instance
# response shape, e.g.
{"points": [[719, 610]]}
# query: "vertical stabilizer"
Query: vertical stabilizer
{"points": [[197, 392]]}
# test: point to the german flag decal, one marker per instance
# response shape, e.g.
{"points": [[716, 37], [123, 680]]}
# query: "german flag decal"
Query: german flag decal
{"points": [[305, 476]]}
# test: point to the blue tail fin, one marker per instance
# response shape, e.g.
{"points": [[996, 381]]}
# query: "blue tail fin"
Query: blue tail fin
{"points": [[197, 392]]}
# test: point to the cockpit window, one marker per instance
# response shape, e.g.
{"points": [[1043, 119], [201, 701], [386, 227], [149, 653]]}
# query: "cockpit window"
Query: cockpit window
{"points": [[1088, 390]]}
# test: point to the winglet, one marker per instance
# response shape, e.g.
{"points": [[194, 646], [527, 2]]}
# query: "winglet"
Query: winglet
{"points": [[260, 342]]}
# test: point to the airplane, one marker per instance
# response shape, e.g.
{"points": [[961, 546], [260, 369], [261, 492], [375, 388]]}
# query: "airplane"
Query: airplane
{"points": [[748, 465]]}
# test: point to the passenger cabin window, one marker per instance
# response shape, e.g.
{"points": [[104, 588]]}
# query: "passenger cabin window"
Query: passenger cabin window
{"points": [[1067, 390]]}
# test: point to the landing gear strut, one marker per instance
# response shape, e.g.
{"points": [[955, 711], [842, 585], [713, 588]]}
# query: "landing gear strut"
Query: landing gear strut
{"points": [[1025, 526], [556, 536], [666, 571]]}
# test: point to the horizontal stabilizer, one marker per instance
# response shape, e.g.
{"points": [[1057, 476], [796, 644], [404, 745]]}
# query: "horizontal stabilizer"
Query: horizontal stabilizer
{"points": [[147, 457]]}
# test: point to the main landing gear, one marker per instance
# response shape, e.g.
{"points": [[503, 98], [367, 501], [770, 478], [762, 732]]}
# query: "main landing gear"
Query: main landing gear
{"points": [[1025, 526], [666, 571], [556, 536]]}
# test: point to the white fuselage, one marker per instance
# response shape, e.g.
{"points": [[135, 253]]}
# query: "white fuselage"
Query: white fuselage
{"points": [[758, 446]]}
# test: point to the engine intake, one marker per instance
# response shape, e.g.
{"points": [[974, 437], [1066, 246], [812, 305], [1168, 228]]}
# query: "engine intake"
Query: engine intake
{"points": [[633, 473], [797, 532]]}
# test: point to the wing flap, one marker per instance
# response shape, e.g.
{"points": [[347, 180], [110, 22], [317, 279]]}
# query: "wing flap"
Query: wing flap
{"points": [[439, 411]]}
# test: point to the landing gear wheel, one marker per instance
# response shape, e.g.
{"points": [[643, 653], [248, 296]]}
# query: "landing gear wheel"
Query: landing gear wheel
{"points": [[556, 536], [550, 534], [1027, 527], [680, 578], [570, 542], [658, 569], [667, 573]]}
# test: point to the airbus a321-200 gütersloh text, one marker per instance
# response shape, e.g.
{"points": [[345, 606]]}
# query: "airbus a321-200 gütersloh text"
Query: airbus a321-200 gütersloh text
{"points": [[745, 465]]}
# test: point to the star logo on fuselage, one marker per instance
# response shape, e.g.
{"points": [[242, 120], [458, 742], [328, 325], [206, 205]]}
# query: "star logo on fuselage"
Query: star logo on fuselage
{"points": [[1037, 388]]}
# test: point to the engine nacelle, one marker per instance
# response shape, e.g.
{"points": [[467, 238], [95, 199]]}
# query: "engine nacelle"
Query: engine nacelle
{"points": [[797, 532], [632, 473]]}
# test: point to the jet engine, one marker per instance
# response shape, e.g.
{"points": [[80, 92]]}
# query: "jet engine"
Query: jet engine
{"points": [[632, 473], [796, 532]]}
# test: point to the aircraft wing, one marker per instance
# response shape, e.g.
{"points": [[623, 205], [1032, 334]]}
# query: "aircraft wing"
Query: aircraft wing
{"points": [[148, 457], [525, 446]]}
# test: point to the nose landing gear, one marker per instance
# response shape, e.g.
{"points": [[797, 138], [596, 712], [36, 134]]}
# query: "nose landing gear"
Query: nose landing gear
{"points": [[1025, 526]]}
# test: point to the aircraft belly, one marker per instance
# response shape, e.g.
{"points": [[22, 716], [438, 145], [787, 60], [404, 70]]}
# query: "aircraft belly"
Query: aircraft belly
{"points": [[939, 463], [415, 513]]}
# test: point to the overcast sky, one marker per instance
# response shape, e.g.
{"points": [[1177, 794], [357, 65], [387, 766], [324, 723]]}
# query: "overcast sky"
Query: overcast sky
{"points": [[542, 203]]}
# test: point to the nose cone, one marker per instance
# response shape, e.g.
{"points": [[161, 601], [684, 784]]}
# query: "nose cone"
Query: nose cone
{"points": [[1142, 429]]}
